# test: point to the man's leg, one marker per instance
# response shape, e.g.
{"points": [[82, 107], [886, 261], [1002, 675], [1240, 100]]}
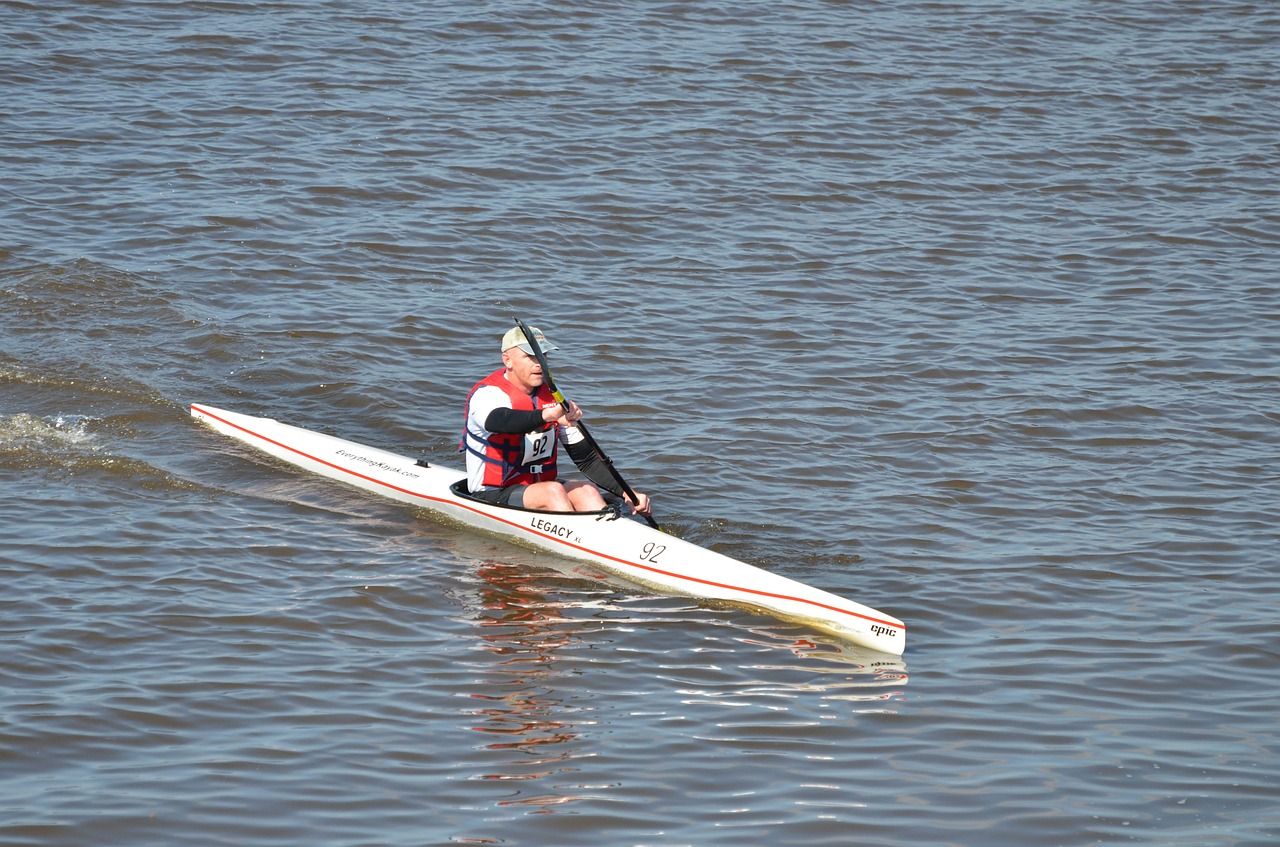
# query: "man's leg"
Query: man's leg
{"points": [[584, 496], [547, 497]]}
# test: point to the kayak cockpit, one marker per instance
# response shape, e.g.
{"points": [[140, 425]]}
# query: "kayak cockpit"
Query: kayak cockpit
{"points": [[613, 511]]}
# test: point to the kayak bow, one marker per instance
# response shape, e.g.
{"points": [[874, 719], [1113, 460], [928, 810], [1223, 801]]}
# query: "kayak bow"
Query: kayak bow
{"points": [[618, 545]]}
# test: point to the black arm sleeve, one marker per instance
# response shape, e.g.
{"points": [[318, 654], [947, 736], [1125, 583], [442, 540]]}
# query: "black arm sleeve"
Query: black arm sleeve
{"points": [[593, 467], [513, 420]]}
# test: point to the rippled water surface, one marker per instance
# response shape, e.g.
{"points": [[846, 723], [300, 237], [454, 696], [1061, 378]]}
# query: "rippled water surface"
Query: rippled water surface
{"points": [[969, 311]]}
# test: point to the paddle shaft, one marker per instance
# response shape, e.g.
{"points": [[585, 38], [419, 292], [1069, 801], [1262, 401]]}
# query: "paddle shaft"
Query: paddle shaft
{"points": [[582, 427]]}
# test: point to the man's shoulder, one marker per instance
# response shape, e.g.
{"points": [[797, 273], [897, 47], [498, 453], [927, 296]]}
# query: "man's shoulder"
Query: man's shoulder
{"points": [[489, 397]]}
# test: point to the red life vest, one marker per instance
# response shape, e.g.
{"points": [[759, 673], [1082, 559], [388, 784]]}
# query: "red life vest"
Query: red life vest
{"points": [[513, 458]]}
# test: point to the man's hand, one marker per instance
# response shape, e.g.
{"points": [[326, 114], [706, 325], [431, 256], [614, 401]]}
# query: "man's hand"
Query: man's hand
{"points": [[556, 413], [643, 507]]}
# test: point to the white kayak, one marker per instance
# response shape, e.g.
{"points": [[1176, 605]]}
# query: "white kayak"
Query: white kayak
{"points": [[618, 545]]}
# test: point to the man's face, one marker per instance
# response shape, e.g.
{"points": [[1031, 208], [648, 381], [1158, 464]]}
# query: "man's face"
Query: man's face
{"points": [[522, 369]]}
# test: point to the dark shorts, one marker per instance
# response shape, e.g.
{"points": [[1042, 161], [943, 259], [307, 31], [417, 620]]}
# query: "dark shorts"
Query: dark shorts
{"points": [[512, 495]]}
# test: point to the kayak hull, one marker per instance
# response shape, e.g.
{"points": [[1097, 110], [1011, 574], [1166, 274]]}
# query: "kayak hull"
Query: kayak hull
{"points": [[618, 545]]}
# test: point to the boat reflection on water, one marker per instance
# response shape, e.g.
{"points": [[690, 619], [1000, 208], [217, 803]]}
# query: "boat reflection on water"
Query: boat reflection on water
{"points": [[830, 669], [539, 705]]}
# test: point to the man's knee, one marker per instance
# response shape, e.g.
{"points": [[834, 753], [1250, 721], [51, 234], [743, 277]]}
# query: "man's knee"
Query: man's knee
{"points": [[585, 497], [547, 497]]}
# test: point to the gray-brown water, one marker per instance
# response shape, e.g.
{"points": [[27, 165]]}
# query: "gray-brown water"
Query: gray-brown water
{"points": [[969, 311]]}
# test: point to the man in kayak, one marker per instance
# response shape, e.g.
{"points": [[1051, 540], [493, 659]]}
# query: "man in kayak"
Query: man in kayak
{"points": [[513, 428]]}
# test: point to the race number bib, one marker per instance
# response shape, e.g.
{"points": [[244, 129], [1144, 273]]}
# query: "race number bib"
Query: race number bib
{"points": [[538, 446]]}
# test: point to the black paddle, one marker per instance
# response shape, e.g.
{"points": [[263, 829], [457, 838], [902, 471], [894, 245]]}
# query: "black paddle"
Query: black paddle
{"points": [[582, 427]]}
